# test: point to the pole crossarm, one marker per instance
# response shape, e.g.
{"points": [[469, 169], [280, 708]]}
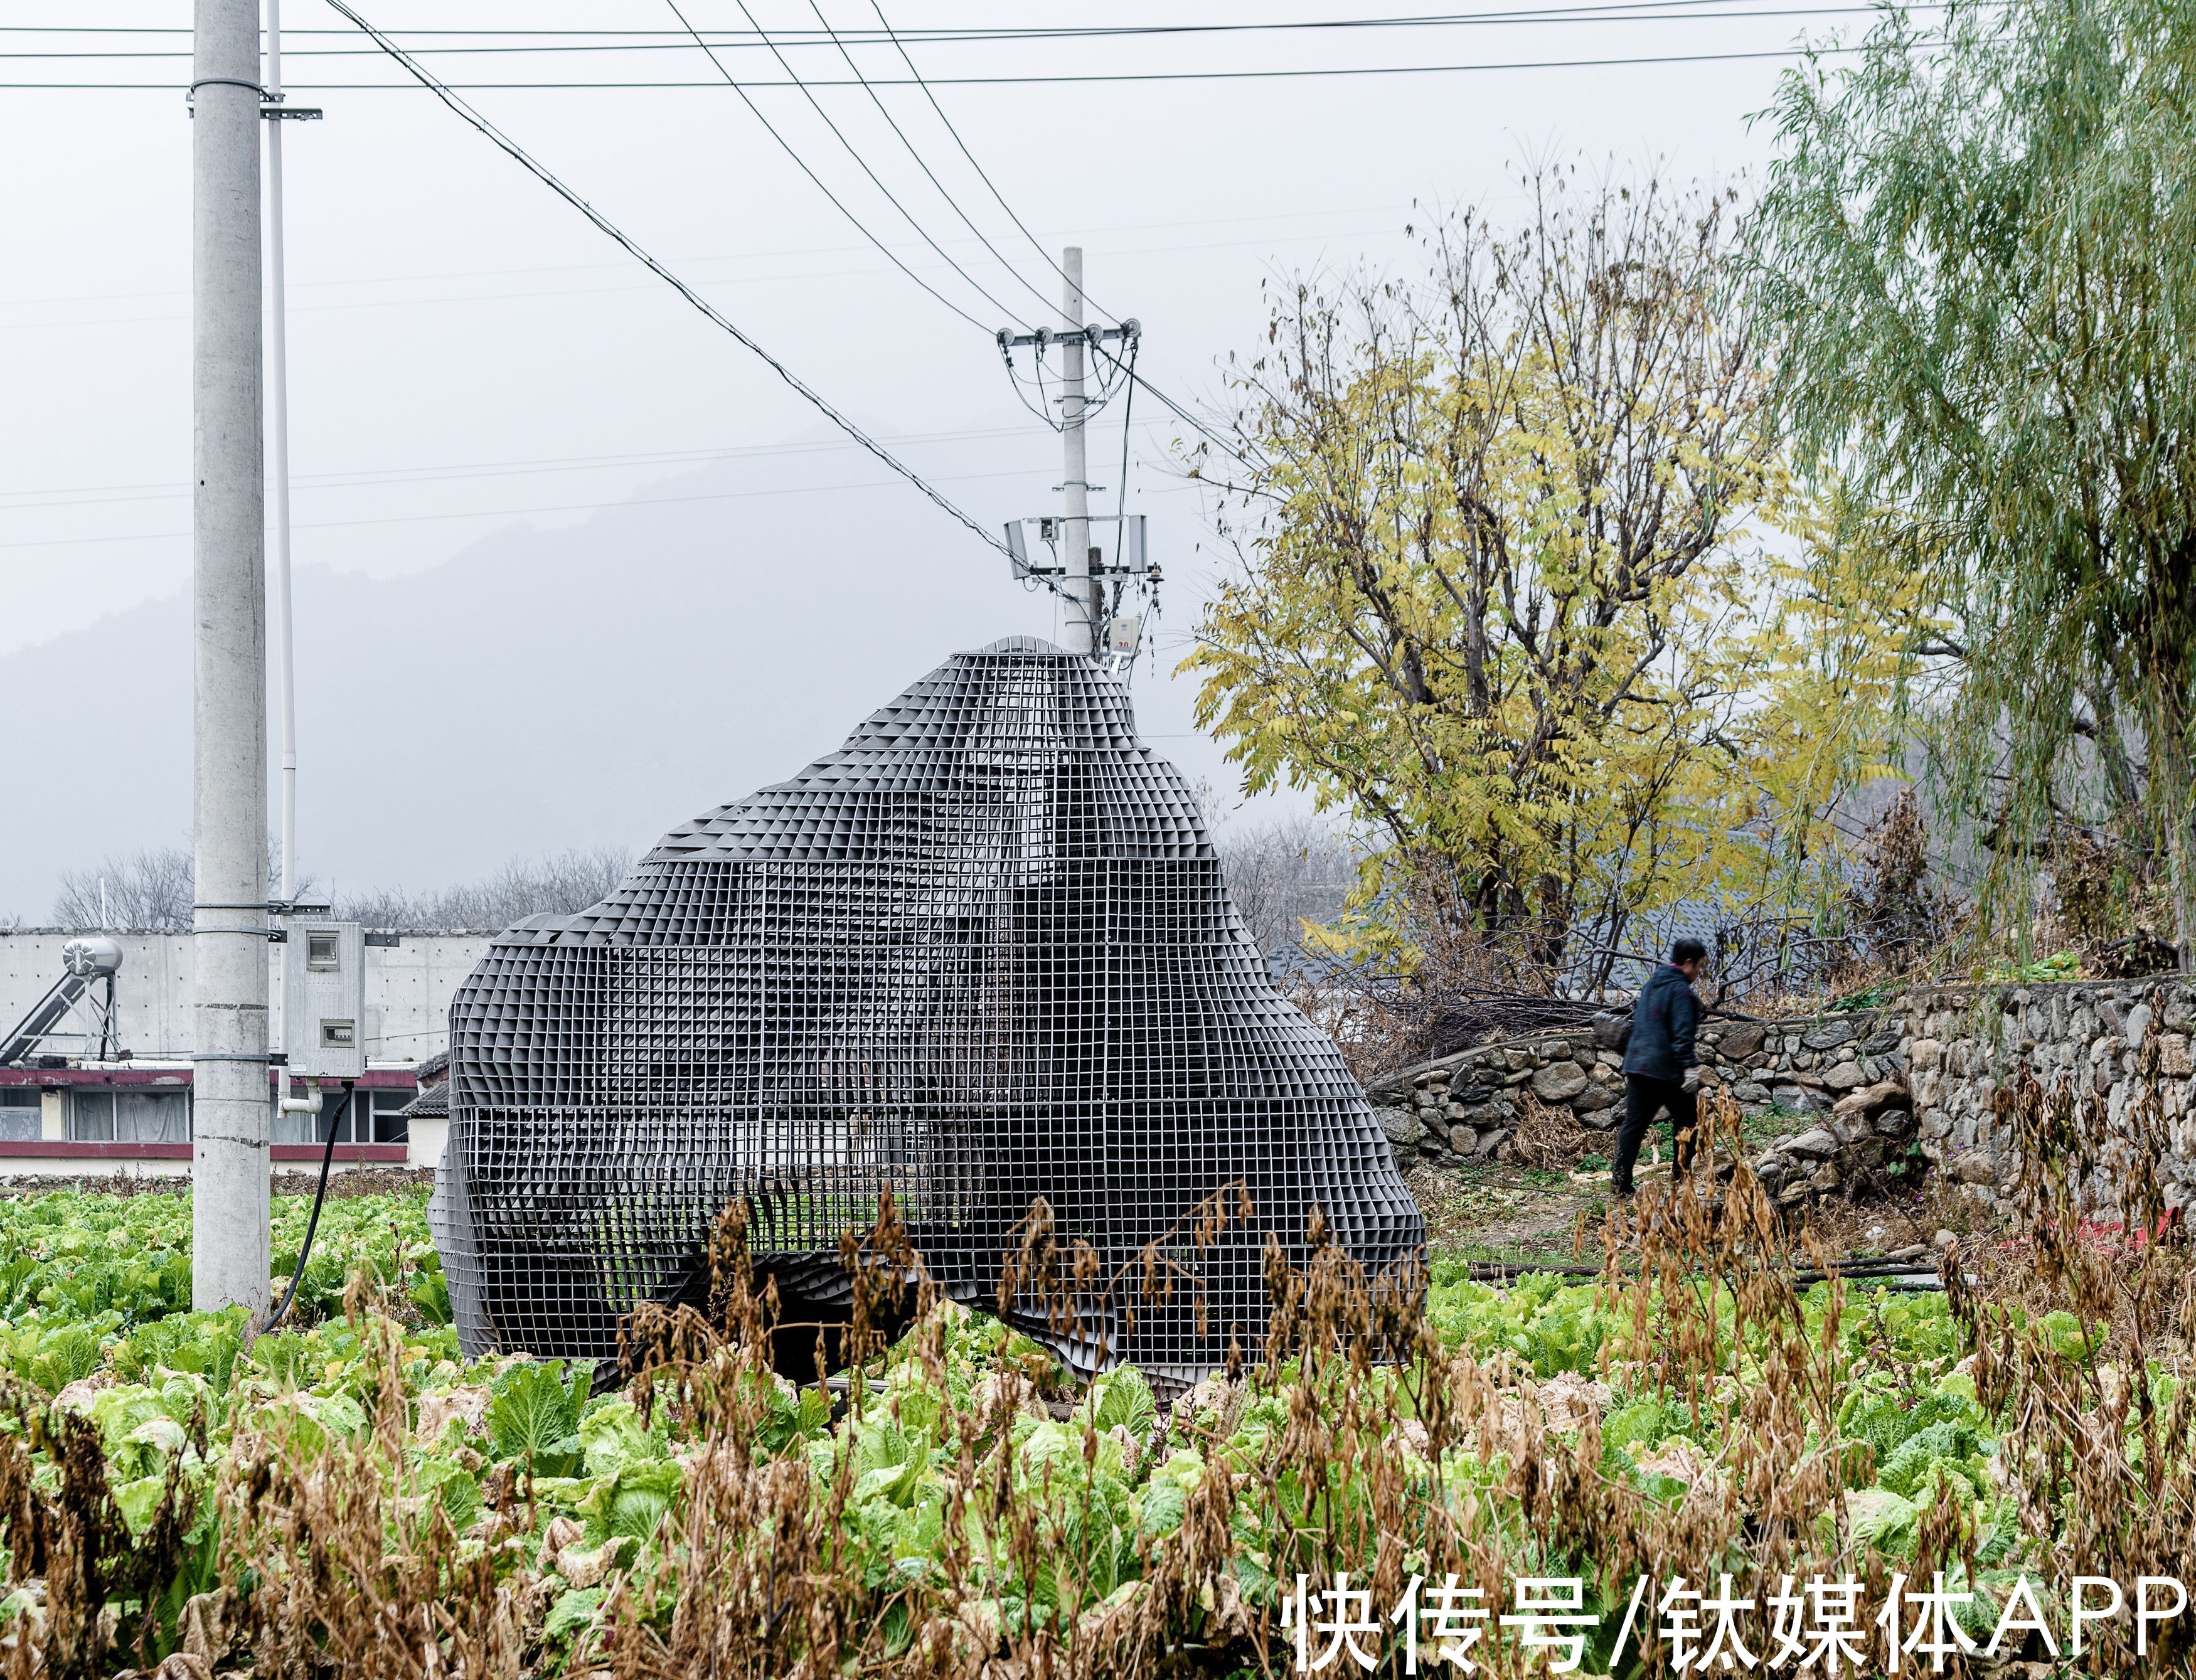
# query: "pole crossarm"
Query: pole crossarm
{"points": [[1093, 335]]}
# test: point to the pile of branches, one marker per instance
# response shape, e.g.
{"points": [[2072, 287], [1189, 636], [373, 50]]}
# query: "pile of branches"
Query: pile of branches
{"points": [[1381, 1024], [1463, 986], [1470, 1015]]}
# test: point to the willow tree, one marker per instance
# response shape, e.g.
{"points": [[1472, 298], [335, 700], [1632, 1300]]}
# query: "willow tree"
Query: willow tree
{"points": [[1493, 569], [1975, 272]]}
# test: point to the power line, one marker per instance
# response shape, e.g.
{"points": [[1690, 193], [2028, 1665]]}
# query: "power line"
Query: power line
{"points": [[603, 223], [1603, 12], [1097, 342], [564, 507], [787, 147], [727, 257], [885, 112], [621, 40], [852, 152], [1121, 492], [77, 495], [1043, 406], [70, 323], [1043, 412], [1187, 416], [982, 174], [1320, 73]]}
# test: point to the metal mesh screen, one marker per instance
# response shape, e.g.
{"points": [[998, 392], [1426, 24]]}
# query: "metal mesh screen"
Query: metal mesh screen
{"points": [[985, 952]]}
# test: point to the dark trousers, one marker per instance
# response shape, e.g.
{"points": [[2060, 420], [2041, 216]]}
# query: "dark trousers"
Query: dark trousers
{"points": [[1643, 1099]]}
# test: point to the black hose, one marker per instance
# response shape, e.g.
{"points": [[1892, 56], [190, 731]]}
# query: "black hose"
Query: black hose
{"points": [[1907, 1274], [312, 1224]]}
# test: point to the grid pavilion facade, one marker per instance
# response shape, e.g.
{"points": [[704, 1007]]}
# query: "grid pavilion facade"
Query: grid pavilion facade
{"points": [[983, 952]]}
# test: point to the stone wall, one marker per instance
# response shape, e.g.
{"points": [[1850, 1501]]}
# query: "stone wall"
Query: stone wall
{"points": [[1852, 1089], [1962, 1044], [1836, 1080]]}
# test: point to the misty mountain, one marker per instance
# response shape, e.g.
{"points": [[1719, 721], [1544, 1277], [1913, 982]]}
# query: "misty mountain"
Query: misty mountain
{"points": [[553, 689]]}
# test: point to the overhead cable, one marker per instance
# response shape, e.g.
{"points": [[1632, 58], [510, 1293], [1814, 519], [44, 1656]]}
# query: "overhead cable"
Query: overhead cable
{"points": [[653, 40], [906, 216], [1043, 406], [1185, 415], [982, 174], [1096, 344], [541, 173], [77, 495], [1121, 495], [1319, 72], [629, 503], [885, 112]]}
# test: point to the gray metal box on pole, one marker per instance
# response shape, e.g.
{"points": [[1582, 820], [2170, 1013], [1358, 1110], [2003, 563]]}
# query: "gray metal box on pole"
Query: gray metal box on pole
{"points": [[230, 1099], [324, 1000]]}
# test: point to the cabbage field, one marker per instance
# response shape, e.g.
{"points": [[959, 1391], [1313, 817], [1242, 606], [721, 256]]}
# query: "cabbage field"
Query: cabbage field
{"points": [[1398, 1470]]}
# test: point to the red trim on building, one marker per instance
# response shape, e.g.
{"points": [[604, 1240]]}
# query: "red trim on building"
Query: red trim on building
{"points": [[380, 1078], [171, 1078], [49, 1151]]}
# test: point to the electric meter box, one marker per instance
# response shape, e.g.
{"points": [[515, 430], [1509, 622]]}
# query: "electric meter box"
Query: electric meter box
{"points": [[323, 1000]]}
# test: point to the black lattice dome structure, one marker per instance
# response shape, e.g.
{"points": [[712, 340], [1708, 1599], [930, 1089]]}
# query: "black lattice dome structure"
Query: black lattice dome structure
{"points": [[984, 952]]}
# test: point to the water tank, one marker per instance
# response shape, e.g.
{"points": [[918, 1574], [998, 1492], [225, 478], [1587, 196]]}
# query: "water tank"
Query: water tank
{"points": [[91, 955]]}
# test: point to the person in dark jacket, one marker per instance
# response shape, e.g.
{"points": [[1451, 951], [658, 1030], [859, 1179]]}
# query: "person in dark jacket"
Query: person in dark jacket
{"points": [[1655, 1058]]}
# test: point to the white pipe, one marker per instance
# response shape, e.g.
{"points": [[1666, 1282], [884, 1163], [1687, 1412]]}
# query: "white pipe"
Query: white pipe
{"points": [[228, 553], [277, 391], [306, 1105]]}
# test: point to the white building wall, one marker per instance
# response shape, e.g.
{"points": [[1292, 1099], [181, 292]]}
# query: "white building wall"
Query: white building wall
{"points": [[408, 988]]}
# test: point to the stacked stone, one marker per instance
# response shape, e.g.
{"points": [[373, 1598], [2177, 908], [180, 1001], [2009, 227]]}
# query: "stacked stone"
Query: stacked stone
{"points": [[1962, 1045], [1864, 1083], [1805, 1066], [1863, 1131], [1843, 1068], [1466, 1105]]}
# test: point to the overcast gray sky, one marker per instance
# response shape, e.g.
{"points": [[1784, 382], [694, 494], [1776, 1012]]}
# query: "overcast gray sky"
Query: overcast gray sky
{"points": [[471, 360]]}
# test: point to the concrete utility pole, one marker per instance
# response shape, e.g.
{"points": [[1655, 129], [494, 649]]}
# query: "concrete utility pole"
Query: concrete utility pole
{"points": [[1077, 571], [228, 1058], [278, 390], [1082, 615]]}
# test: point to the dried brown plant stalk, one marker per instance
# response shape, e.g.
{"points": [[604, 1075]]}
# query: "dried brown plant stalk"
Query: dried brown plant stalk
{"points": [[1352, 1439]]}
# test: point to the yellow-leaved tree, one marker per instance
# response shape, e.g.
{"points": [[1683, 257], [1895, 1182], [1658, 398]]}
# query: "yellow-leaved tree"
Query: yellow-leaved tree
{"points": [[1506, 577]]}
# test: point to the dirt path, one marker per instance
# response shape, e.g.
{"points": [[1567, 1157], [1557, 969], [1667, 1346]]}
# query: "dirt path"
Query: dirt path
{"points": [[1497, 1212], [1500, 1212]]}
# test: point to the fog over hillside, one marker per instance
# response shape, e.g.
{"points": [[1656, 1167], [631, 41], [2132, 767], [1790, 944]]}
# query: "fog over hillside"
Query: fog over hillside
{"points": [[549, 689]]}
